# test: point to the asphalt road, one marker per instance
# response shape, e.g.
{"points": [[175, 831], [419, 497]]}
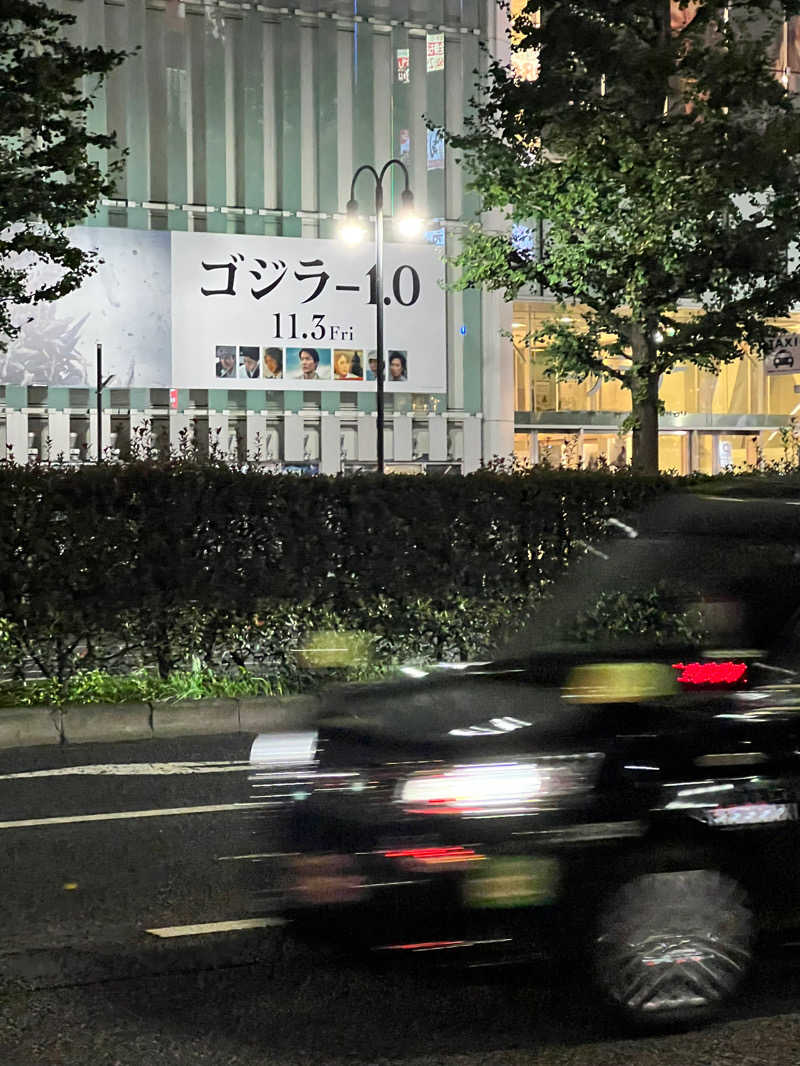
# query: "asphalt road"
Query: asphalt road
{"points": [[85, 981]]}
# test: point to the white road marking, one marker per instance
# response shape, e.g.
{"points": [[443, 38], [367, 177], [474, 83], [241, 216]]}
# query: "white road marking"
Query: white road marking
{"points": [[215, 927], [134, 768], [257, 855], [111, 816]]}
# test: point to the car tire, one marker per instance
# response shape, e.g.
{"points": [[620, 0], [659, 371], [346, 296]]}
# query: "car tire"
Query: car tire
{"points": [[672, 947]]}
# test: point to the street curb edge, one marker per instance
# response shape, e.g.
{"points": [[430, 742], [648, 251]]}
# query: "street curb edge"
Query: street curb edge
{"points": [[22, 727]]}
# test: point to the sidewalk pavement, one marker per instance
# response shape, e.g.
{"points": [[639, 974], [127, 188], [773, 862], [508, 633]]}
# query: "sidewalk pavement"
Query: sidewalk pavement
{"points": [[22, 727]]}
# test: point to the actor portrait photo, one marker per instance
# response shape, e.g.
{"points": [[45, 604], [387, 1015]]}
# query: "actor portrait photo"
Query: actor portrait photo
{"points": [[273, 363], [226, 361], [249, 362], [397, 364], [347, 364], [308, 364]]}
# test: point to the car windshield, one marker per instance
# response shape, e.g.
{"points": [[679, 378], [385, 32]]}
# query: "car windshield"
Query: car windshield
{"points": [[689, 570]]}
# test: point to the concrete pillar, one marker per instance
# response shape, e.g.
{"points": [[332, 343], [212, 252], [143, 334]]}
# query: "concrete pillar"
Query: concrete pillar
{"points": [[178, 423], [17, 436], [312, 442], [330, 461], [58, 432], [91, 438], [402, 438], [437, 438], [138, 442], [497, 39], [218, 431], [368, 439], [472, 442], [256, 436], [497, 378], [455, 440], [293, 438]]}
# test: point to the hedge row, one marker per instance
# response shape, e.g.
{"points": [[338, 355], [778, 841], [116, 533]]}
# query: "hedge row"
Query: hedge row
{"points": [[160, 564]]}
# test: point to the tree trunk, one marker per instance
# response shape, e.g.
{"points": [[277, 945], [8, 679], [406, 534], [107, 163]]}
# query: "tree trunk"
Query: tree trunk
{"points": [[644, 409]]}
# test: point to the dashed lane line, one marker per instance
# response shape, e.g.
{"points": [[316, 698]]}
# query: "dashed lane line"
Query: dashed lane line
{"points": [[257, 855], [113, 816], [215, 927]]}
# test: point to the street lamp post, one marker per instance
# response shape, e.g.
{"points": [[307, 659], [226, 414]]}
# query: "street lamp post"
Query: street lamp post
{"points": [[353, 232], [101, 384]]}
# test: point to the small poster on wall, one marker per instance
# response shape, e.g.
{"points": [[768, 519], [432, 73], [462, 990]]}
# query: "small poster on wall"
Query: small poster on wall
{"points": [[435, 52], [435, 150]]}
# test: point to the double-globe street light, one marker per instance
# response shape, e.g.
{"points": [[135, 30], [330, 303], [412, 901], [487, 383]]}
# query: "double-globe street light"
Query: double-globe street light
{"points": [[354, 231]]}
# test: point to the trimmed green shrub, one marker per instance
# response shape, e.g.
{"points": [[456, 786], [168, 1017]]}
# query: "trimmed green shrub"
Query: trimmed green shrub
{"points": [[161, 564]]}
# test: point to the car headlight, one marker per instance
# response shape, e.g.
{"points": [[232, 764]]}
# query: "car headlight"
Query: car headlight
{"points": [[510, 787], [284, 749]]}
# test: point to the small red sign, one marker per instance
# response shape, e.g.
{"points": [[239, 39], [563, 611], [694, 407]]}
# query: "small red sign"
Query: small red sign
{"points": [[173, 399]]}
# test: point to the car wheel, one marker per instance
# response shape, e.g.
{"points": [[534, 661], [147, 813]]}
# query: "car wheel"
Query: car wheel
{"points": [[673, 947]]}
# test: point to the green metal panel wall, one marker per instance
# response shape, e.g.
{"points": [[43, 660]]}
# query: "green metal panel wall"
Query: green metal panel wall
{"points": [[245, 118]]}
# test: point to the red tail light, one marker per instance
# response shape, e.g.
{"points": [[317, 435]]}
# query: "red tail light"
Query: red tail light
{"points": [[707, 674]]}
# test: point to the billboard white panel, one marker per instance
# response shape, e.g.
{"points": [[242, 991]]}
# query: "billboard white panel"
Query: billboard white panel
{"points": [[289, 313], [203, 310], [125, 306]]}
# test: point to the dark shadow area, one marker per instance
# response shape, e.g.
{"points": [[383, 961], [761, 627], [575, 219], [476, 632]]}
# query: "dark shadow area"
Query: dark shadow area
{"points": [[305, 1005]]}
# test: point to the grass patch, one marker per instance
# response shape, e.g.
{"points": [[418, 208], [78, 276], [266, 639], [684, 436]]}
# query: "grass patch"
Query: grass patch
{"points": [[140, 686]]}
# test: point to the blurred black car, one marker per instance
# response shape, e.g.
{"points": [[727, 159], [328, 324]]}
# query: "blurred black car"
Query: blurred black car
{"points": [[627, 801]]}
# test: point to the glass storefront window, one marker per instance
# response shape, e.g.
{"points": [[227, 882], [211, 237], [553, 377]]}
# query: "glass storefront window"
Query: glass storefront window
{"points": [[587, 450], [731, 450], [781, 395], [741, 387], [773, 447], [679, 390], [614, 397], [537, 391], [522, 447], [673, 452], [520, 328], [562, 449]]}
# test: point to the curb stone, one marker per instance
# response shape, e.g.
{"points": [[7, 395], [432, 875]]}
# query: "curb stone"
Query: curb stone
{"points": [[23, 727], [105, 721], [195, 717]]}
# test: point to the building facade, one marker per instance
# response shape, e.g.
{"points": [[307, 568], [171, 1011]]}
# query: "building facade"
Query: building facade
{"points": [[243, 125]]}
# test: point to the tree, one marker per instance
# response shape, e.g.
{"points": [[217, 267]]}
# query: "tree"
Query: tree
{"points": [[48, 177], [661, 150]]}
